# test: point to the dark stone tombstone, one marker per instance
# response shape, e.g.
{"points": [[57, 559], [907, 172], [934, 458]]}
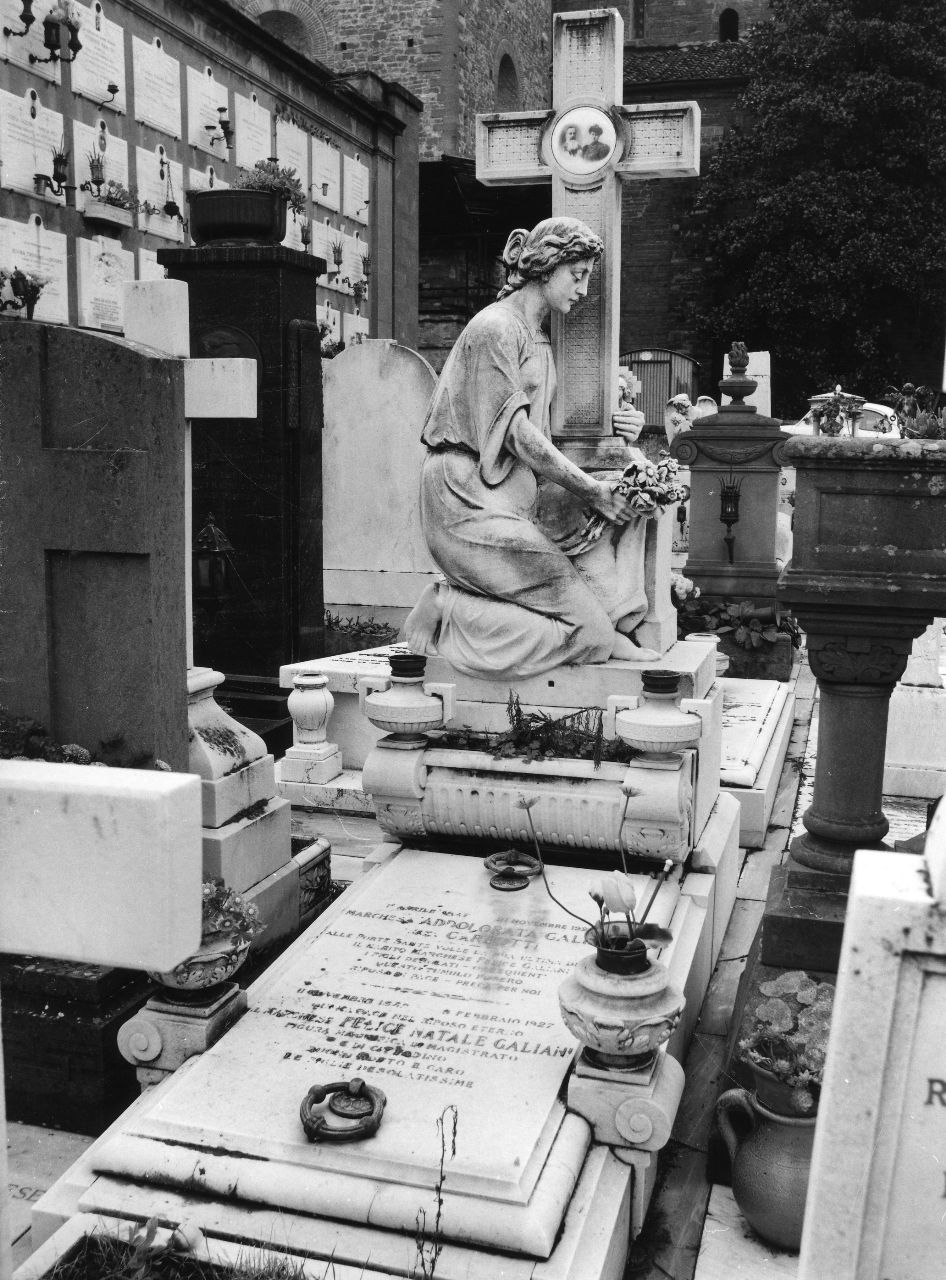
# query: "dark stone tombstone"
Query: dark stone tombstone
{"points": [[92, 645], [867, 576], [260, 478], [92, 575]]}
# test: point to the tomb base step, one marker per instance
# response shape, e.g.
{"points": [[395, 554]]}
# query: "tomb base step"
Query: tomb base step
{"points": [[804, 919]]}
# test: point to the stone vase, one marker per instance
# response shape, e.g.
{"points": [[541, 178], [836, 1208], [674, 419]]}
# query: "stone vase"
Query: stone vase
{"points": [[621, 1007], [310, 704], [403, 706], [771, 1161], [237, 217], [656, 726], [198, 977]]}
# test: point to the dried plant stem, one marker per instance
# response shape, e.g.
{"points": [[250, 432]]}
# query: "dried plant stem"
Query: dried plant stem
{"points": [[545, 881]]}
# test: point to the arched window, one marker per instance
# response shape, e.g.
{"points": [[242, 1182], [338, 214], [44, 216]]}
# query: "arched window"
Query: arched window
{"points": [[295, 22], [286, 27], [507, 85], [729, 25]]}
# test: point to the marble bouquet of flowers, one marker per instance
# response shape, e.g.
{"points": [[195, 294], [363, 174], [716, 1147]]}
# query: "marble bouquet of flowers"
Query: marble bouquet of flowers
{"points": [[650, 486]]}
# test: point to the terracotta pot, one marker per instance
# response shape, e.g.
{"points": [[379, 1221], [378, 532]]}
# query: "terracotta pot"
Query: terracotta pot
{"points": [[237, 217], [771, 1161], [215, 962]]}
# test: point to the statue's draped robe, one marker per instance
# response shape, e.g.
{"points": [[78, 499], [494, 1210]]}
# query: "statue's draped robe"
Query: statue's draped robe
{"points": [[515, 604]]}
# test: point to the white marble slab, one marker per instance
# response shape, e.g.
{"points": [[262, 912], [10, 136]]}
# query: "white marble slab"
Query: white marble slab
{"points": [[102, 59], [253, 130], [99, 140], [103, 266], [878, 1184], [29, 133], [205, 95], [100, 865], [439, 990], [292, 149], [356, 188], [29, 246], [17, 48], [157, 87], [751, 712], [326, 174], [160, 179]]}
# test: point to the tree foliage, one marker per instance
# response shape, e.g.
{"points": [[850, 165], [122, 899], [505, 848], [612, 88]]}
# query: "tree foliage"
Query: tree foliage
{"points": [[822, 218]]}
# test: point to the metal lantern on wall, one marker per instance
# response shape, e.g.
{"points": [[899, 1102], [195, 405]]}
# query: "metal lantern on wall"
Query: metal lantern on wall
{"points": [[213, 565]]}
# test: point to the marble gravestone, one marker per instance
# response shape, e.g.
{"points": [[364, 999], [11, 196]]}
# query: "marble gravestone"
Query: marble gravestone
{"points": [[878, 1178], [375, 395], [440, 991]]}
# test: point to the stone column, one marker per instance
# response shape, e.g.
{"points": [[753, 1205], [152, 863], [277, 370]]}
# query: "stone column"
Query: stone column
{"points": [[857, 659], [866, 579]]}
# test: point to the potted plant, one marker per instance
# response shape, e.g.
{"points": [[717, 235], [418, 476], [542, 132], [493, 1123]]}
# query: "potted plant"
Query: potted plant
{"points": [[19, 289], [252, 211], [769, 1130], [228, 925]]}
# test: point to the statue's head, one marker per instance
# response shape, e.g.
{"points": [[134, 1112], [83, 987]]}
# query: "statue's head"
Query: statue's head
{"points": [[535, 254]]}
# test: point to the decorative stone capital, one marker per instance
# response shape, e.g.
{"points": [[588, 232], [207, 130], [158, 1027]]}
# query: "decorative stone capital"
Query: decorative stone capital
{"points": [[858, 659]]}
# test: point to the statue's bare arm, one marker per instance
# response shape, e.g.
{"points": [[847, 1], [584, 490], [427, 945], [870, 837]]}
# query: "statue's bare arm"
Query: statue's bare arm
{"points": [[527, 443]]}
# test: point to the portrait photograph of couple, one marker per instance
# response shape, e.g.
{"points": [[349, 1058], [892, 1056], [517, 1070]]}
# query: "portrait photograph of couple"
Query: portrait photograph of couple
{"points": [[583, 140]]}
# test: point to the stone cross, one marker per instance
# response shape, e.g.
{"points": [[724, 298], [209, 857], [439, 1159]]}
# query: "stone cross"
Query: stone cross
{"points": [[98, 866], [586, 146]]}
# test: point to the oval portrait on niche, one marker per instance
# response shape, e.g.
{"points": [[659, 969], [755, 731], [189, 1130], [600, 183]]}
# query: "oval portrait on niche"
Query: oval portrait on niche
{"points": [[583, 140]]}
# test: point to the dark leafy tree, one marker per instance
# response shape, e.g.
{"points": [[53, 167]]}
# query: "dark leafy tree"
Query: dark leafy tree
{"points": [[822, 220]]}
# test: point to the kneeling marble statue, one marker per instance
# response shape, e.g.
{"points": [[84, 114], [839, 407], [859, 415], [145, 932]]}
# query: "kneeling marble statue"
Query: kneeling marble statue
{"points": [[523, 593]]}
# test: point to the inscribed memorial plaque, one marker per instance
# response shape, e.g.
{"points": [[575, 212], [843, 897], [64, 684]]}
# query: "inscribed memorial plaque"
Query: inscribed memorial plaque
{"points": [[323, 233], [18, 47], [253, 130], [326, 174], [437, 989], [103, 267], [29, 246], [157, 86], [205, 96], [160, 179], [29, 134], [333, 318], [102, 60], [355, 190], [97, 140], [292, 150]]}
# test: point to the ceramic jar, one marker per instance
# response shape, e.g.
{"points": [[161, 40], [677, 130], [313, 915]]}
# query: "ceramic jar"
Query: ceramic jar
{"points": [[656, 725], [621, 1007], [403, 706], [771, 1161], [215, 962]]}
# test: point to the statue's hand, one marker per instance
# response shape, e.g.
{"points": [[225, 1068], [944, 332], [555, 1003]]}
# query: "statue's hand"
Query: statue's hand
{"points": [[627, 423], [611, 504]]}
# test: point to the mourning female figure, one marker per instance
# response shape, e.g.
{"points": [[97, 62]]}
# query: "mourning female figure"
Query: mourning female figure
{"points": [[513, 603]]}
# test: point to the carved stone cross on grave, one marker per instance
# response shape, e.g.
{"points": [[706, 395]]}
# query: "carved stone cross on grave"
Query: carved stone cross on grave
{"points": [[586, 146]]}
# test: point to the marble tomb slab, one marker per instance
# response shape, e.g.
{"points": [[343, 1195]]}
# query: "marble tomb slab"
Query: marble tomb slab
{"points": [[442, 992], [757, 725]]}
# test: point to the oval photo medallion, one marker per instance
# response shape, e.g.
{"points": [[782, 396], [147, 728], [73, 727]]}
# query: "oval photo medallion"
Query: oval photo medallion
{"points": [[583, 140]]}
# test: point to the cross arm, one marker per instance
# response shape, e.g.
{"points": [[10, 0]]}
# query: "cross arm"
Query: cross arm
{"points": [[509, 148], [663, 140]]}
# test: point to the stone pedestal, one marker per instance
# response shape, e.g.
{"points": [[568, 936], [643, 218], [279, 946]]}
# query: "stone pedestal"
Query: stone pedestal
{"points": [[167, 1032], [739, 448], [865, 580]]}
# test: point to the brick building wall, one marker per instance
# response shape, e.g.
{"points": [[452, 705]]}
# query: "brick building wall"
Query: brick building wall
{"points": [[664, 22], [445, 52]]}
